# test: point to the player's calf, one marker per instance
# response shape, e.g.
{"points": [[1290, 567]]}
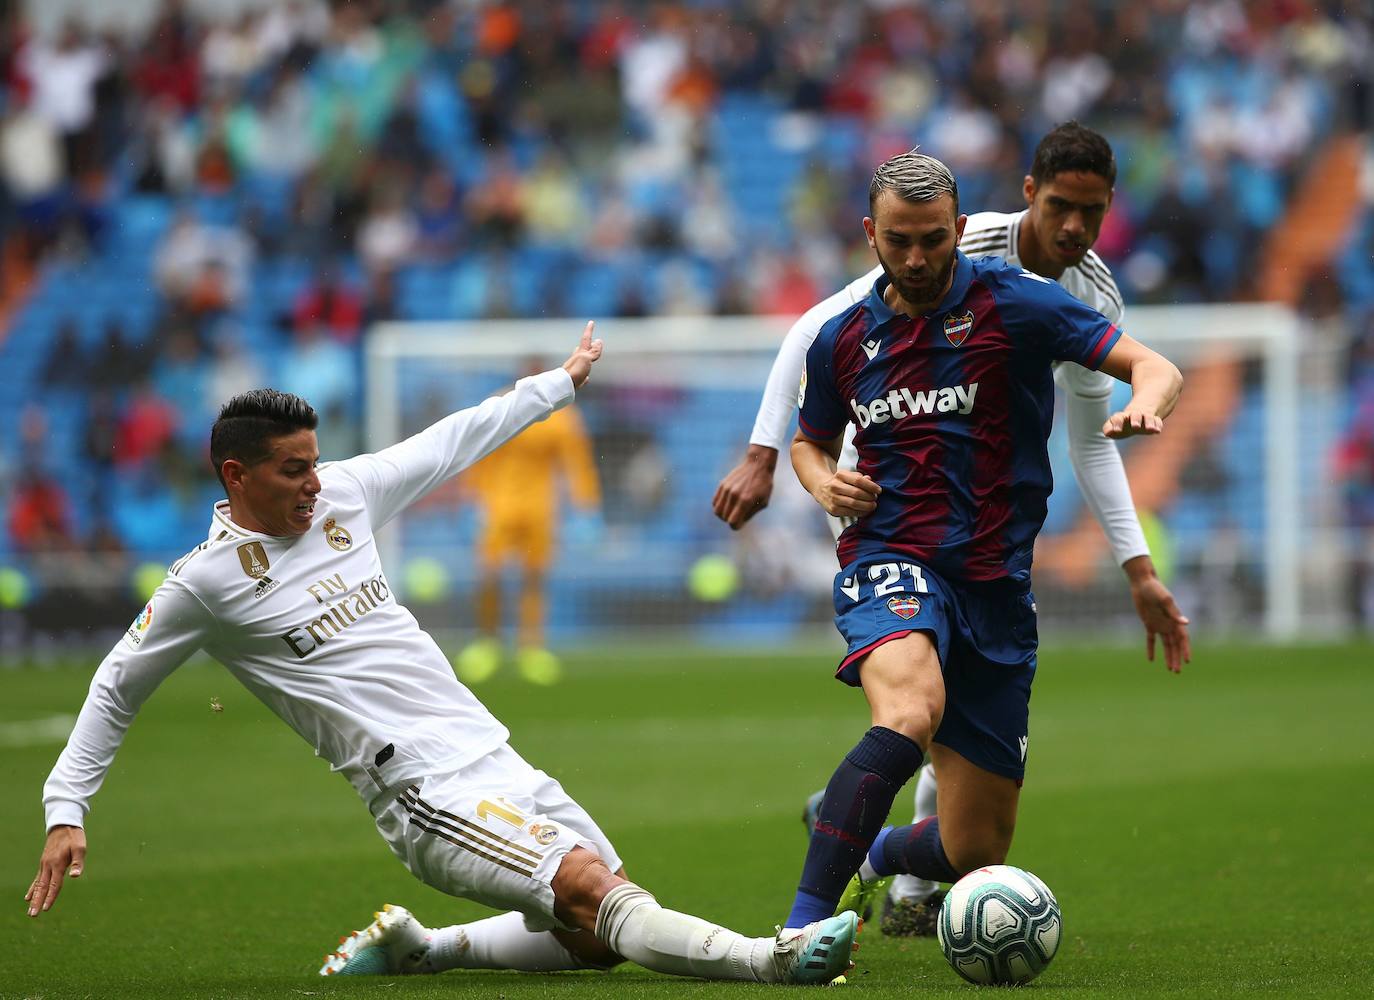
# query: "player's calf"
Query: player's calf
{"points": [[852, 811], [916, 849], [633, 924], [968, 855], [588, 949], [630, 924]]}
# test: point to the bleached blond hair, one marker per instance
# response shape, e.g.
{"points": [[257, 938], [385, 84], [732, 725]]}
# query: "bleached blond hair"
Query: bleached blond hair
{"points": [[913, 176]]}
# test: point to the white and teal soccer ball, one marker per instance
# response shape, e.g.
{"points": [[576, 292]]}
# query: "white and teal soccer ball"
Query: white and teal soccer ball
{"points": [[999, 926]]}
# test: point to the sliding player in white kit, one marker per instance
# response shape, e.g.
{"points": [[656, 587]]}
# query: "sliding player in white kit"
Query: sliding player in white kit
{"points": [[1067, 194], [288, 593]]}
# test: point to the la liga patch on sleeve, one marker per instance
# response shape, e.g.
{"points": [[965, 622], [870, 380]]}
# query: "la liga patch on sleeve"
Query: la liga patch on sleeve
{"points": [[136, 632]]}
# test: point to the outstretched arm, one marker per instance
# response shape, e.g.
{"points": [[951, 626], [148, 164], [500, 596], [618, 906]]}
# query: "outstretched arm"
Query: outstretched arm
{"points": [[396, 477], [1155, 387], [173, 626], [1102, 480]]}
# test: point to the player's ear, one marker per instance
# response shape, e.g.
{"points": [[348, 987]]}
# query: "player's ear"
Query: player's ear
{"points": [[1028, 188], [959, 226], [870, 232], [232, 471]]}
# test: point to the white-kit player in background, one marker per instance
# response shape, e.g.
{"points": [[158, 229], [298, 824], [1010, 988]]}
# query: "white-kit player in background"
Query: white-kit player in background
{"points": [[288, 593], [1068, 193]]}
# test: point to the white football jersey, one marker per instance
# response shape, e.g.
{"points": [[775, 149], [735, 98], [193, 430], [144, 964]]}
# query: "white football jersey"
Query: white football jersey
{"points": [[995, 234], [310, 625]]}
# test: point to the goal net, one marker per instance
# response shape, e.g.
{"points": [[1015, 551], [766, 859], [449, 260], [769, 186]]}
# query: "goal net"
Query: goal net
{"points": [[1229, 495]]}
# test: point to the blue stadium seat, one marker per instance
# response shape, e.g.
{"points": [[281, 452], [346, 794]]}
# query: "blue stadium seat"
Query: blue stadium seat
{"points": [[139, 223], [595, 290], [468, 291]]}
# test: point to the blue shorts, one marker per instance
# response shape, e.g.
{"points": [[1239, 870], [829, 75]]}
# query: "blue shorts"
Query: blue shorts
{"points": [[984, 634]]}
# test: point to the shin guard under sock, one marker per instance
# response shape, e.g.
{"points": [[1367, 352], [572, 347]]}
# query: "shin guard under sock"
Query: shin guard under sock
{"points": [[855, 806]]}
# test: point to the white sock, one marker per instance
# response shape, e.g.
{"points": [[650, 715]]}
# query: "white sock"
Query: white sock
{"points": [[500, 942], [631, 923], [909, 886]]}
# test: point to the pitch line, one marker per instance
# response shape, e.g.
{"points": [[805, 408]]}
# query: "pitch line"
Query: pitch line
{"points": [[36, 732]]}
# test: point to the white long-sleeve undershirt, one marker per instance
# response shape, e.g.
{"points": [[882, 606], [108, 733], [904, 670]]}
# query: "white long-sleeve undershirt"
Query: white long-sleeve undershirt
{"points": [[1097, 463]]}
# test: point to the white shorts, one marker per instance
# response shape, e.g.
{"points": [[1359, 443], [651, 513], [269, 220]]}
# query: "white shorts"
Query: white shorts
{"points": [[494, 832]]}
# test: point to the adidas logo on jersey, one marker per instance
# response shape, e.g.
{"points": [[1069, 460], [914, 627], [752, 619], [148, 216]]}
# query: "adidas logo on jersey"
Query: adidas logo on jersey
{"points": [[904, 403], [265, 586]]}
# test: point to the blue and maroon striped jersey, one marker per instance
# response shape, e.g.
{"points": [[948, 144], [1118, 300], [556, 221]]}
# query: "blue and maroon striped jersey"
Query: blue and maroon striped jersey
{"points": [[953, 410]]}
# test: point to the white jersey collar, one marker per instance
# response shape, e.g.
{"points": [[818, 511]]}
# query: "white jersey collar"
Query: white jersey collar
{"points": [[1014, 238], [220, 521]]}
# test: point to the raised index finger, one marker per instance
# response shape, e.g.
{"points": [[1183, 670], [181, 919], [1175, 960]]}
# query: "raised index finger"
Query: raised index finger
{"points": [[587, 331]]}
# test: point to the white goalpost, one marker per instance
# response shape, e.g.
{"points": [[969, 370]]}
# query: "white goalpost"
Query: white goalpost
{"points": [[670, 409]]}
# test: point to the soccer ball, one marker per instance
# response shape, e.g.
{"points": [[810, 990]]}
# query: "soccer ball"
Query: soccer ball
{"points": [[999, 926]]}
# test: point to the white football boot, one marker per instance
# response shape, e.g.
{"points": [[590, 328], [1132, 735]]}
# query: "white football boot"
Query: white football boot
{"points": [[395, 943]]}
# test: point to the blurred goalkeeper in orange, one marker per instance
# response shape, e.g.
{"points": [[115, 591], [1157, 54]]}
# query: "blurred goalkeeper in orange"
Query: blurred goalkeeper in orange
{"points": [[519, 489]]}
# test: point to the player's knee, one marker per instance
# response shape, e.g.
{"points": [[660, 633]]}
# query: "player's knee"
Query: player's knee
{"points": [[579, 886], [917, 718]]}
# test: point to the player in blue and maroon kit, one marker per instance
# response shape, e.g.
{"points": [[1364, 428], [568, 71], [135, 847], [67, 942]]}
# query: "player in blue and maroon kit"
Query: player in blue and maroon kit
{"points": [[946, 370]]}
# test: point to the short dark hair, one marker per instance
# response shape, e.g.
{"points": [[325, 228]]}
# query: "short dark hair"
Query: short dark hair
{"points": [[1073, 147], [247, 424]]}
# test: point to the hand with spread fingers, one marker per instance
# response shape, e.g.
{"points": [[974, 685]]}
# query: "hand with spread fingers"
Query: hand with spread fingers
{"points": [[1164, 621]]}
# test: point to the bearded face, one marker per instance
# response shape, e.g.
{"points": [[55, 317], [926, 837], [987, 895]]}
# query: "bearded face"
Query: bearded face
{"points": [[915, 242]]}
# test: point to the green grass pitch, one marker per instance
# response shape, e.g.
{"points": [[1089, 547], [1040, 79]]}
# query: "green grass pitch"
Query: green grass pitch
{"points": [[1210, 834]]}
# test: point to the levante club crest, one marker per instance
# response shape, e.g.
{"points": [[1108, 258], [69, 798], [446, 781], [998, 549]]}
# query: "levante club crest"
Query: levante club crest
{"points": [[957, 328], [904, 606]]}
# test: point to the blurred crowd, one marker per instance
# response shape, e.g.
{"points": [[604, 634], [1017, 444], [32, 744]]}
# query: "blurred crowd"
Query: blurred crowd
{"points": [[307, 168]]}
